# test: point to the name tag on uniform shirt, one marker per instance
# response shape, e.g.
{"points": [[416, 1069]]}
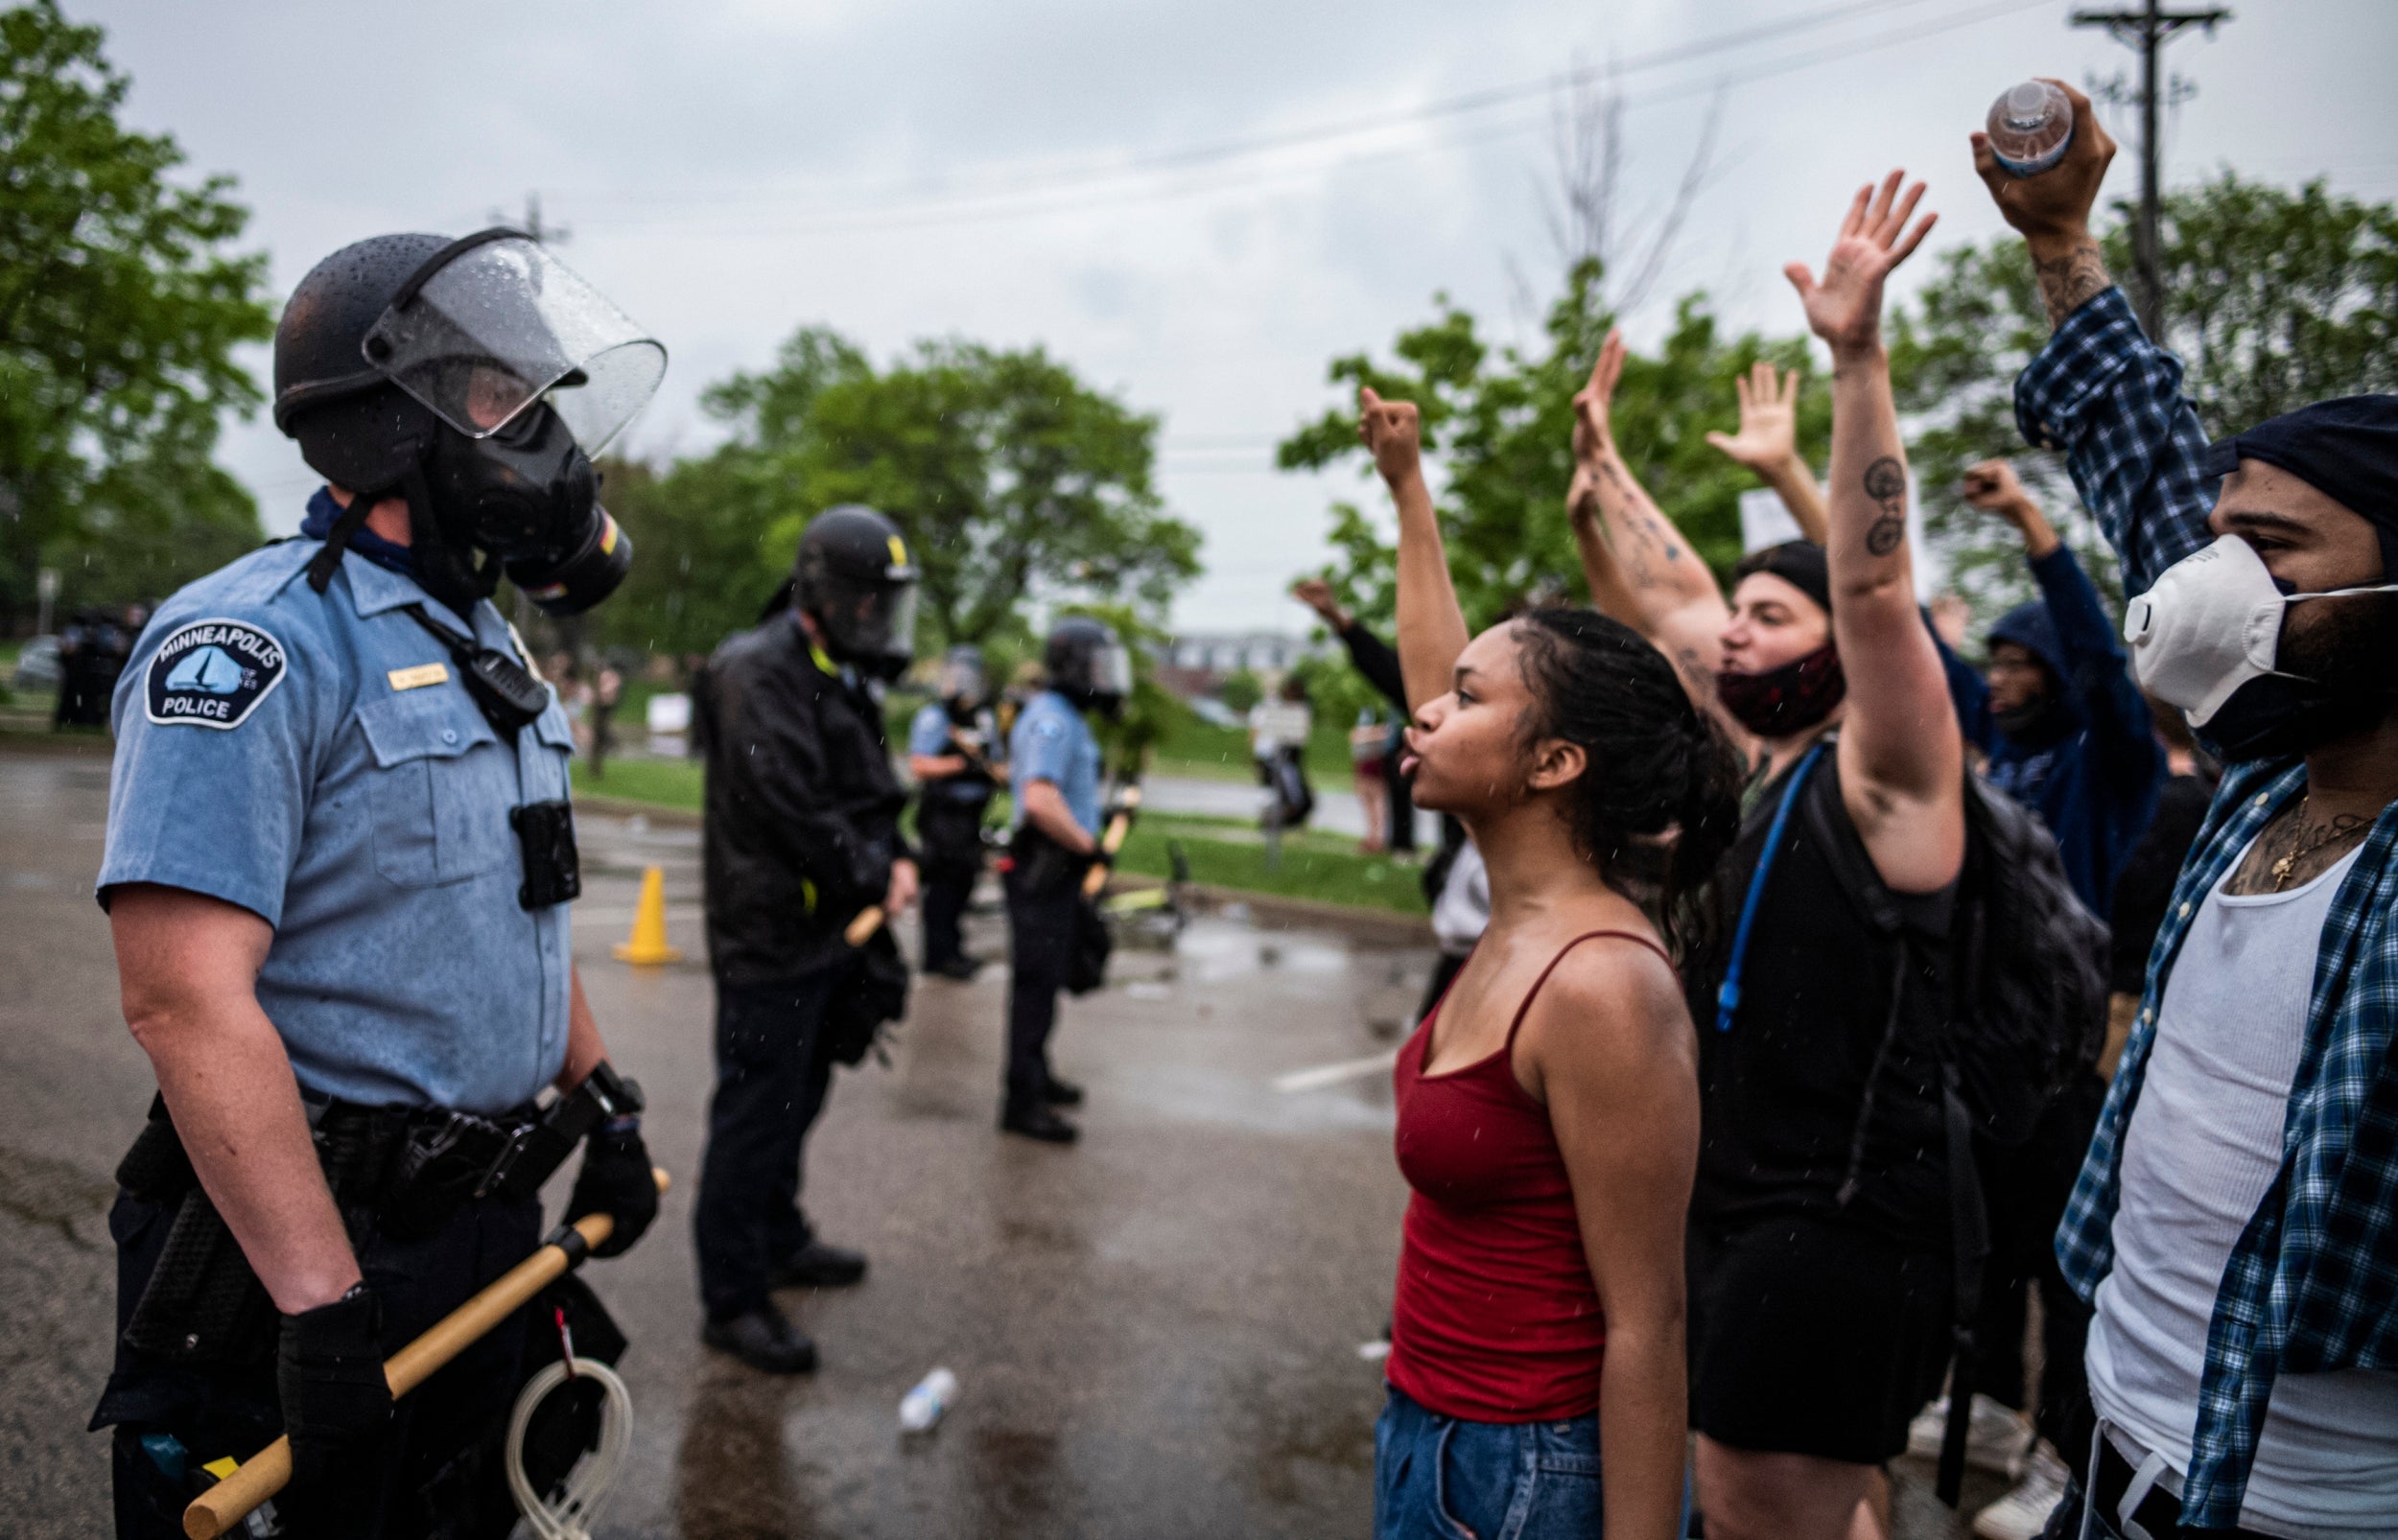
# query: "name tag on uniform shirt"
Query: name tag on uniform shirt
{"points": [[419, 677]]}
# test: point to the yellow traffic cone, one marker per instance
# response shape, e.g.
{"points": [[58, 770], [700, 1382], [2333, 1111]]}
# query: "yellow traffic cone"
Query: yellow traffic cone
{"points": [[647, 943]]}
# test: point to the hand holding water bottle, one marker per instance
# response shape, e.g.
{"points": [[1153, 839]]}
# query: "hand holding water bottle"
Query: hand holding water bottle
{"points": [[2052, 201]]}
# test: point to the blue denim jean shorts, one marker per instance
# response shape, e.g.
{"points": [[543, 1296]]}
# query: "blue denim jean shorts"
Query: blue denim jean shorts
{"points": [[1440, 1477]]}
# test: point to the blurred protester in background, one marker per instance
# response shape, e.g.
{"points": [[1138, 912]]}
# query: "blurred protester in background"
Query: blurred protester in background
{"points": [[1547, 1109], [1373, 658], [2072, 739], [1366, 742], [1279, 729], [2145, 889], [951, 746], [608, 690], [1821, 1274], [2234, 1226]]}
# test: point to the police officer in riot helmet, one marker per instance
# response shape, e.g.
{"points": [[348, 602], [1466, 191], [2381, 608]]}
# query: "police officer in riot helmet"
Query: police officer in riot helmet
{"points": [[801, 836], [953, 749], [1053, 760], [339, 857]]}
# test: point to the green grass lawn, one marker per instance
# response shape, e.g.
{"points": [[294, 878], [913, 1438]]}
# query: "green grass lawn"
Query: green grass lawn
{"points": [[667, 783], [1224, 852], [1211, 753], [1324, 868]]}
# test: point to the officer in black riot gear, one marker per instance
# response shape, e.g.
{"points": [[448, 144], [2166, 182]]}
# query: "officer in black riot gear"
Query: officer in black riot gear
{"points": [[1053, 760], [802, 836], [340, 853], [953, 752]]}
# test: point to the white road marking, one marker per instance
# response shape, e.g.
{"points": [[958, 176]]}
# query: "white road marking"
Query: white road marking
{"points": [[1323, 1075]]}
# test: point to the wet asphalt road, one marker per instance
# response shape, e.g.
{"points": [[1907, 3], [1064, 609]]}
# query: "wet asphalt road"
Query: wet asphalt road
{"points": [[1156, 1331]]}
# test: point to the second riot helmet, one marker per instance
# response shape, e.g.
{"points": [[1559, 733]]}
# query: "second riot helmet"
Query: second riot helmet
{"points": [[1088, 664], [964, 684], [854, 579]]}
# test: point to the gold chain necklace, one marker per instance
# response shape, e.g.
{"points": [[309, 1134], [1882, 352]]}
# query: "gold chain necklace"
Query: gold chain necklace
{"points": [[2283, 868]]}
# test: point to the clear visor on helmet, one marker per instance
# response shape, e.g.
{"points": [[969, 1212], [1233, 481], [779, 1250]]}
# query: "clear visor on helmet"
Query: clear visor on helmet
{"points": [[501, 325], [961, 679], [1111, 671], [870, 621]]}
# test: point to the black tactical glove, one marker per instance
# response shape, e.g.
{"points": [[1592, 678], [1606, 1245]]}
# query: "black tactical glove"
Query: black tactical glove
{"points": [[337, 1410], [616, 1181]]}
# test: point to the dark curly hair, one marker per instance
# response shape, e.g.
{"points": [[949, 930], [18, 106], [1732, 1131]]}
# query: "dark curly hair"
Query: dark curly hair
{"points": [[1660, 802]]}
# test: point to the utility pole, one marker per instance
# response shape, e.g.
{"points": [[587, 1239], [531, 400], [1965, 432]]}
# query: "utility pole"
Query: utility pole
{"points": [[533, 225], [2148, 30]]}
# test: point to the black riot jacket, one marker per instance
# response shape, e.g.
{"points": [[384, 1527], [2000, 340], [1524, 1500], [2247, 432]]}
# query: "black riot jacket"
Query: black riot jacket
{"points": [[802, 808]]}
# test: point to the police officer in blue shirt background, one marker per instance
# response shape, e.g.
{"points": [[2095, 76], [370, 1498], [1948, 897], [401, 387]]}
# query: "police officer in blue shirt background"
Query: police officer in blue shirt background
{"points": [[338, 854], [1054, 762], [951, 745]]}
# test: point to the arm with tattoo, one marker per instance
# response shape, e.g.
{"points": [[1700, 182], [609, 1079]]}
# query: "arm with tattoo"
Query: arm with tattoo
{"points": [[2071, 273], [1632, 554], [1902, 753]]}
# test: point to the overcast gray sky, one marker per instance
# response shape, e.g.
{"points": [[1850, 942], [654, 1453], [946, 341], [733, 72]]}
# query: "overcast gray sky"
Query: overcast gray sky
{"points": [[732, 169]]}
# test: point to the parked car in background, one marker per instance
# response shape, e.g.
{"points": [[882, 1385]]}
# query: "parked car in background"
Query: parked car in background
{"points": [[36, 667]]}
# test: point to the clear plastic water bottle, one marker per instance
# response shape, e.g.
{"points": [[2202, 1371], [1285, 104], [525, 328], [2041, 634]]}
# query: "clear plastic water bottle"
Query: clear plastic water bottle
{"points": [[2030, 126], [921, 1406]]}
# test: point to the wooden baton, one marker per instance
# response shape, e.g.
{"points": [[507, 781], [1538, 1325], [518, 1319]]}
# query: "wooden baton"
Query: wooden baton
{"points": [[862, 925], [1112, 841], [268, 1472]]}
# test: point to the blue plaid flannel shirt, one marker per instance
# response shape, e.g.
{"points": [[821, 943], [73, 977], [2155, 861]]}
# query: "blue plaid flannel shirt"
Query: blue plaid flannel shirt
{"points": [[2312, 1283]]}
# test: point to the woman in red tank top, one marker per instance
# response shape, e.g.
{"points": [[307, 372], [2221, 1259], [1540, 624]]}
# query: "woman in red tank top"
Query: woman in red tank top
{"points": [[1548, 1106]]}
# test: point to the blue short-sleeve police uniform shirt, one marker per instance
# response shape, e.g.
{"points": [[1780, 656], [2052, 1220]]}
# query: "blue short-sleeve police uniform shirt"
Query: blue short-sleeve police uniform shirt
{"points": [[1052, 742], [929, 736], [315, 758]]}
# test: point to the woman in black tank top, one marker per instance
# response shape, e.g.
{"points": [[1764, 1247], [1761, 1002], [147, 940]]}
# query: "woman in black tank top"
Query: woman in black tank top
{"points": [[1818, 1222]]}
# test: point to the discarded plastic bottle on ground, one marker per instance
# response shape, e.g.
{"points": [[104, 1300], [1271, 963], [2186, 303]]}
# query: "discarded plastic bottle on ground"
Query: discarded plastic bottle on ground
{"points": [[921, 1406], [2030, 126]]}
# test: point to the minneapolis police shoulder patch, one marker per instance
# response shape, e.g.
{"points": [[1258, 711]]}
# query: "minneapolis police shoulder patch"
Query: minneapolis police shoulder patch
{"points": [[212, 673]]}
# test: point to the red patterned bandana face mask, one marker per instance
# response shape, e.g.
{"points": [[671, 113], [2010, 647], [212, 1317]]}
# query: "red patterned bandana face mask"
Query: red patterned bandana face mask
{"points": [[1790, 699]]}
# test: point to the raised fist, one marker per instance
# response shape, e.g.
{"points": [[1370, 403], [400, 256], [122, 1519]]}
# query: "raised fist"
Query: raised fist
{"points": [[1393, 431]]}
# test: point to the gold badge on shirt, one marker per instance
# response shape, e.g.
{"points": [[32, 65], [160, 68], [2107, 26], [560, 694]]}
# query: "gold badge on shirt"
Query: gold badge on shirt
{"points": [[419, 677]]}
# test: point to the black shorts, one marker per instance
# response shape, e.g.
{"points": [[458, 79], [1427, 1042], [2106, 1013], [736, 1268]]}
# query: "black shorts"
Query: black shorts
{"points": [[1812, 1336]]}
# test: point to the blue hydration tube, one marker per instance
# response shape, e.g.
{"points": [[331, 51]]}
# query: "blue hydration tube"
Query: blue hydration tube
{"points": [[1728, 997]]}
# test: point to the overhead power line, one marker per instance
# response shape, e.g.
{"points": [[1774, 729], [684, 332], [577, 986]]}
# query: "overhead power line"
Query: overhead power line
{"points": [[1024, 195]]}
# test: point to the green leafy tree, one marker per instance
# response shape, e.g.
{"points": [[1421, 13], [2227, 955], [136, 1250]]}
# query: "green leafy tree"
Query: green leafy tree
{"points": [[120, 309], [1500, 423], [2274, 297], [1010, 477], [1240, 691]]}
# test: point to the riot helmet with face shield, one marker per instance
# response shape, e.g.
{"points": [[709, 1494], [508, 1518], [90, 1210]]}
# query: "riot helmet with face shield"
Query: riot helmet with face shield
{"points": [[1088, 664], [475, 378], [964, 686], [854, 579]]}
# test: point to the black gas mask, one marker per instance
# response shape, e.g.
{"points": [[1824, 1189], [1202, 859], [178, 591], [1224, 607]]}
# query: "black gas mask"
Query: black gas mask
{"points": [[474, 378], [527, 497]]}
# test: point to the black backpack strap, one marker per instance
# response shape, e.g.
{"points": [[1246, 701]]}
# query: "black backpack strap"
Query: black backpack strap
{"points": [[1969, 1250]]}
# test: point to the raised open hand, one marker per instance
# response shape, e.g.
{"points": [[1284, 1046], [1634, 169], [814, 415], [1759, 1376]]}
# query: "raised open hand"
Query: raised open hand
{"points": [[1593, 435], [1844, 307], [1769, 419], [1395, 435]]}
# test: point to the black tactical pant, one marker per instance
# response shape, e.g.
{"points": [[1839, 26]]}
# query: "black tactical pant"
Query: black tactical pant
{"points": [[951, 832], [441, 1474], [1041, 952], [772, 1074]]}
